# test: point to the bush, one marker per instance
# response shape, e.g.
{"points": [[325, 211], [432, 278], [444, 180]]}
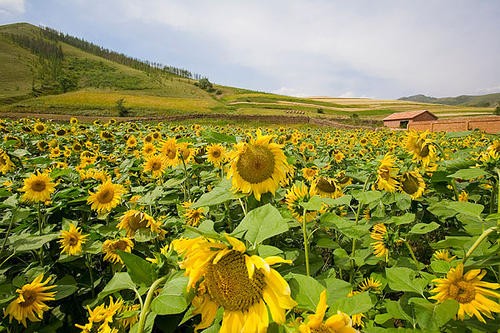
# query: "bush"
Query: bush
{"points": [[123, 111]]}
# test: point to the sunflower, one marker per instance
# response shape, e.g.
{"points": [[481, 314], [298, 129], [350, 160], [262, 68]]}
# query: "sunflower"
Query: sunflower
{"points": [[326, 188], [73, 121], [109, 248], [39, 127], [156, 164], [129, 315], [338, 156], [186, 153], [463, 196], [338, 323], [421, 147], [296, 195], [309, 173], [72, 240], [379, 233], [134, 220], [225, 276], [387, 174], [258, 167], [412, 183], [6, 164], [30, 302], [370, 284], [169, 150], [148, 149], [443, 255], [102, 315], [216, 154], [470, 292], [131, 141], [38, 188], [107, 197], [193, 216]]}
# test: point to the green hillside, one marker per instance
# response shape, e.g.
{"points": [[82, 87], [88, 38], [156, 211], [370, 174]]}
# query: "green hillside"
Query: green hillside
{"points": [[48, 72], [465, 100]]}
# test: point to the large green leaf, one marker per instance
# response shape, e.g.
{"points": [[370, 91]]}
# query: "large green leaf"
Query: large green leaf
{"points": [[404, 279], [424, 228], [305, 291], [260, 224], [433, 316], [358, 303], [171, 299], [25, 242], [119, 281], [141, 271], [367, 197], [345, 226], [219, 194], [468, 174]]}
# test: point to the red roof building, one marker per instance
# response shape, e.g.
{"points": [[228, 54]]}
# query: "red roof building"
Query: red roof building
{"points": [[402, 119]]}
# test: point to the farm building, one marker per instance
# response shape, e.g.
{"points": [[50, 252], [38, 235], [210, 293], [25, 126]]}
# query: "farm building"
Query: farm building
{"points": [[402, 119]]}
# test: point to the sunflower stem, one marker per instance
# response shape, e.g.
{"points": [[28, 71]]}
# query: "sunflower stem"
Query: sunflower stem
{"points": [[40, 230], [187, 195], [242, 206], [7, 234], [478, 241], [412, 254], [147, 303], [306, 242], [89, 267]]}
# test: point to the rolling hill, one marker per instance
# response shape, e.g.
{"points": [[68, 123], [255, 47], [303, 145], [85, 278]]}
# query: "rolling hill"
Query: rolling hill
{"points": [[465, 100], [48, 72]]}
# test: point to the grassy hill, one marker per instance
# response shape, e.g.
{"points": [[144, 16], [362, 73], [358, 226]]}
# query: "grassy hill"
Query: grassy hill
{"points": [[44, 71], [465, 100]]}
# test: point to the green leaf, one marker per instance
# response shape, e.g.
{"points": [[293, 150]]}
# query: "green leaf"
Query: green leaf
{"points": [[214, 137], [440, 266], [399, 220], [119, 281], [368, 197], [424, 228], [358, 303], [260, 224], [458, 242], [404, 279], [433, 316], [141, 271], [336, 288], [26, 242], [150, 197], [305, 291], [171, 299], [345, 226], [65, 287], [466, 208], [395, 309], [268, 251], [468, 174], [219, 194]]}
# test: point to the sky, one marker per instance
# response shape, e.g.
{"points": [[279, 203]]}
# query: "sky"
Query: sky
{"points": [[352, 48]]}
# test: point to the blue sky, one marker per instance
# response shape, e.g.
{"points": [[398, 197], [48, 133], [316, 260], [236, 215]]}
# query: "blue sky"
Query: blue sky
{"points": [[381, 49]]}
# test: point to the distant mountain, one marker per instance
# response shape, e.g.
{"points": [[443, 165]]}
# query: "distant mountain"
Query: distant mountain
{"points": [[488, 100]]}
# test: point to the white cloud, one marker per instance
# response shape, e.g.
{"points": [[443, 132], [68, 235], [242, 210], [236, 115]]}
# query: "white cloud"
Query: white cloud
{"points": [[384, 48], [11, 7]]}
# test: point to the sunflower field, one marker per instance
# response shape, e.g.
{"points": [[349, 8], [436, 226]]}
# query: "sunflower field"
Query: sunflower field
{"points": [[157, 227]]}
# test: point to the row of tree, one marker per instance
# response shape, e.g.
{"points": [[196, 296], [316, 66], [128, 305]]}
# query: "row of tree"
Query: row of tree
{"points": [[120, 58]]}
